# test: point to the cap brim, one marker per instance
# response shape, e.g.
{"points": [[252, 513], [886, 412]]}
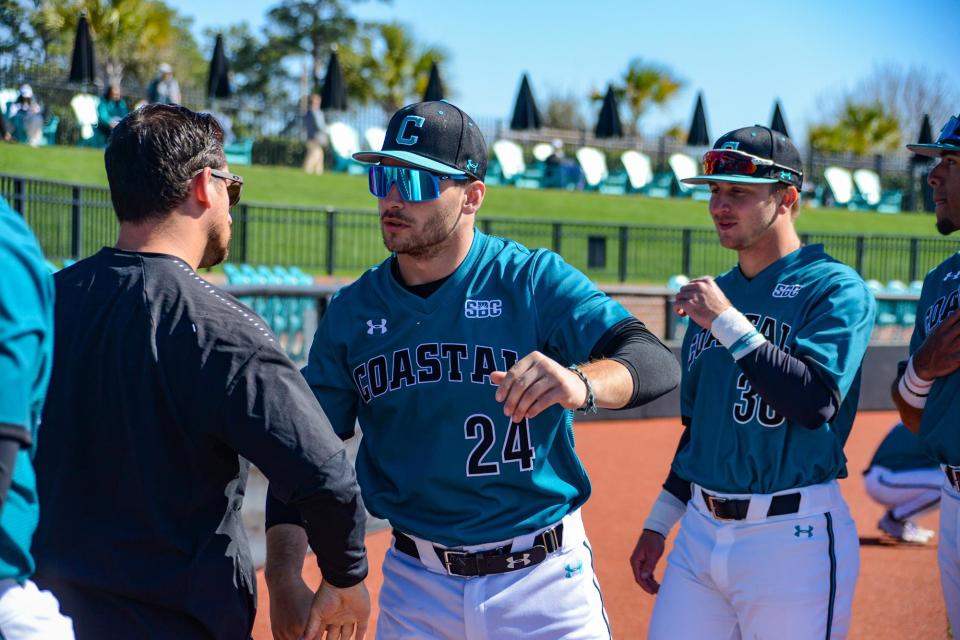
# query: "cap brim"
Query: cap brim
{"points": [[374, 157], [932, 150], [727, 178]]}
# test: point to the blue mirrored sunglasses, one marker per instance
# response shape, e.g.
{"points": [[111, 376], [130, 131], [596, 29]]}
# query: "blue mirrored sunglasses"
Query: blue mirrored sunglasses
{"points": [[415, 185]]}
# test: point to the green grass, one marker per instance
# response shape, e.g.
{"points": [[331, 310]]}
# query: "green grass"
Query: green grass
{"points": [[290, 186]]}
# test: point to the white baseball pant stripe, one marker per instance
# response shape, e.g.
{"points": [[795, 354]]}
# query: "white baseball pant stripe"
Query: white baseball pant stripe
{"points": [[907, 494], [558, 598], [789, 577]]}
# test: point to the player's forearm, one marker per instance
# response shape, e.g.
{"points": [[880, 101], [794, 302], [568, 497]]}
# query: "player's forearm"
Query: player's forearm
{"points": [[909, 415], [286, 548], [653, 369], [611, 381]]}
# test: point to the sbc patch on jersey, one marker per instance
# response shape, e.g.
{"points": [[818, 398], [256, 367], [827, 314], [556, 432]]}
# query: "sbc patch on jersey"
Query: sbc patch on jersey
{"points": [[482, 308], [786, 290]]}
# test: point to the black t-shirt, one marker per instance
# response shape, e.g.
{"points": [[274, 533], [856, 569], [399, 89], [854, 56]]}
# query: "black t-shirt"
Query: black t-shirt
{"points": [[159, 381]]}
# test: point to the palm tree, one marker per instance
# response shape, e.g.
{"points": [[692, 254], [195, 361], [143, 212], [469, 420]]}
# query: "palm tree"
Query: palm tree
{"points": [[646, 84], [130, 35], [395, 68], [860, 129]]}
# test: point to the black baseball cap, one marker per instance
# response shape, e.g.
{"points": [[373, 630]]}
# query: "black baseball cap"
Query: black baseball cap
{"points": [[759, 142], [437, 136]]}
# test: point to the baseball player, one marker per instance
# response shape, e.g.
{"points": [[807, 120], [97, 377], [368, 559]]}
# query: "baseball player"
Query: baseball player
{"points": [[160, 383], [26, 355], [927, 392], [771, 376], [907, 481], [462, 356]]}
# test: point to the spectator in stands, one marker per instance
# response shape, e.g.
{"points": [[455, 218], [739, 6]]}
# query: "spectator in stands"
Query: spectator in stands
{"points": [[6, 129], [26, 115], [164, 88], [110, 111], [316, 128]]}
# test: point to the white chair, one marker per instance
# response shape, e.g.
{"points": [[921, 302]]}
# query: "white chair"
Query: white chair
{"points": [[594, 166], [841, 184], [344, 142], [683, 166], [638, 168], [542, 151], [374, 137], [84, 108], [6, 97], [868, 184], [510, 157]]}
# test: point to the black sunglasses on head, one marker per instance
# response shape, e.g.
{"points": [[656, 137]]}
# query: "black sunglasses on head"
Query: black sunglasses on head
{"points": [[234, 184]]}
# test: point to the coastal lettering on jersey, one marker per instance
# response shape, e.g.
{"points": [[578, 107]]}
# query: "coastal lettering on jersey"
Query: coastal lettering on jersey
{"points": [[772, 329], [427, 363], [940, 309]]}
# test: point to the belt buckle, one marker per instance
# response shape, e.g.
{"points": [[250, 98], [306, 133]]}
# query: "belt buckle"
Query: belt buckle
{"points": [[712, 502], [447, 562], [550, 536], [953, 476]]}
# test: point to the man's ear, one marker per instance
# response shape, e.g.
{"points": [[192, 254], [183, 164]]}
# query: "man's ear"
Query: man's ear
{"points": [[789, 197], [201, 187], [474, 191]]}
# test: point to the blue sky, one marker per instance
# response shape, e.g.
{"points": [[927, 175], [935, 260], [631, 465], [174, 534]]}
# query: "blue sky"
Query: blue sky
{"points": [[742, 57]]}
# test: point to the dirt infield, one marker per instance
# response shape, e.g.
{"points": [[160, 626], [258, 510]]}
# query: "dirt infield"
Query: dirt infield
{"points": [[898, 593]]}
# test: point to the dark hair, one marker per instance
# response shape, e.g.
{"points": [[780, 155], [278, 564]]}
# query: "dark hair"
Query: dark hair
{"points": [[152, 155]]}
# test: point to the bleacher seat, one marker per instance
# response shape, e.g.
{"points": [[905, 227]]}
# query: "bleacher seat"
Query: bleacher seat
{"points": [[344, 142], [683, 166], [512, 167], [84, 108], [868, 186], [239, 152]]}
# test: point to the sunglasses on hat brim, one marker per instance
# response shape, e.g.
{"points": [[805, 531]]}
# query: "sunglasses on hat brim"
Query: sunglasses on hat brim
{"points": [[414, 185], [728, 162]]}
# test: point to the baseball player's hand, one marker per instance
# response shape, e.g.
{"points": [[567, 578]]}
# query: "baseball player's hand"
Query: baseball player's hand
{"points": [[939, 355], [338, 612], [535, 383], [289, 608], [702, 300], [644, 560]]}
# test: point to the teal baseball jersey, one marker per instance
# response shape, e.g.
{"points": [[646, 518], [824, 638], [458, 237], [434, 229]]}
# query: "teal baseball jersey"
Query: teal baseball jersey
{"points": [[26, 356], [438, 458], [815, 309], [940, 425], [901, 450]]}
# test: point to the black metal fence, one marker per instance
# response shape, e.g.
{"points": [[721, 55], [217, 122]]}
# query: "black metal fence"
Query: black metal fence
{"points": [[73, 221]]}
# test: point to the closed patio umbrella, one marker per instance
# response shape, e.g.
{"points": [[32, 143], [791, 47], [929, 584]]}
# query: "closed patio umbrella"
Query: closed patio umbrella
{"points": [[525, 114], [434, 89], [334, 91], [82, 62], [608, 124], [698, 135], [218, 83]]}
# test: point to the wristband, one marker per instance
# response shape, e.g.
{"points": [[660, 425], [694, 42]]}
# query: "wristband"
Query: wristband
{"points": [[914, 389], [736, 333], [666, 512], [590, 402]]}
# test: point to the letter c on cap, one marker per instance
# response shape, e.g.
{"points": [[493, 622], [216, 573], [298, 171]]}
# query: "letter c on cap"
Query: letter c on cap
{"points": [[402, 137]]}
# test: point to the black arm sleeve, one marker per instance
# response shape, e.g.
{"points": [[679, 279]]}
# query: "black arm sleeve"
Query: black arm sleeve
{"points": [[9, 448], [794, 387], [651, 364], [274, 420], [674, 484]]}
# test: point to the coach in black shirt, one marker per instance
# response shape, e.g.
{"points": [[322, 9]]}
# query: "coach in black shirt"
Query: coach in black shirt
{"points": [[160, 383]]}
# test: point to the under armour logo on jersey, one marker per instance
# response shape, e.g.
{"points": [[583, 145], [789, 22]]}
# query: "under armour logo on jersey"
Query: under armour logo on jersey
{"points": [[798, 530], [952, 275], [482, 308], [786, 290], [372, 326], [522, 561], [570, 571]]}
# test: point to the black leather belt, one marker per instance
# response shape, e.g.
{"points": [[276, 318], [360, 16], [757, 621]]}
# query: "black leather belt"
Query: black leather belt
{"points": [[733, 509], [953, 477], [483, 563]]}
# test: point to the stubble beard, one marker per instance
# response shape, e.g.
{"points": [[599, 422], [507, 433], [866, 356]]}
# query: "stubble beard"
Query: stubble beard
{"points": [[218, 246], [429, 242]]}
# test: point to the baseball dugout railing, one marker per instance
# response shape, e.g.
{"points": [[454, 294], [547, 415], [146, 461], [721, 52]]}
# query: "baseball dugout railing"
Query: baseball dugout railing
{"points": [[73, 221]]}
